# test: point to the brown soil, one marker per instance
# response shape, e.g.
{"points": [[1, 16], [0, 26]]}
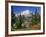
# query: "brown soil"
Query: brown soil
{"points": [[35, 26]]}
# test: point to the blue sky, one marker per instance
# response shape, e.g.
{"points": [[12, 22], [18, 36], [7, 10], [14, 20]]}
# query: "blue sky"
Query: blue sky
{"points": [[19, 9]]}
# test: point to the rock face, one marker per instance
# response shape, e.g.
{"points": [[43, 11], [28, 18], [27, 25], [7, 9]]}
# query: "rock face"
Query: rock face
{"points": [[26, 17], [27, 22]]}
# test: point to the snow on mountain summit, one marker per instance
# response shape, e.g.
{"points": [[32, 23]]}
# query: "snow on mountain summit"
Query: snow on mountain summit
{"points": [[25, 13]]}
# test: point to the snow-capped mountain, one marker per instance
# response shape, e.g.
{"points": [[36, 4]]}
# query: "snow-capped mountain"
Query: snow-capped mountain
{"points": [[26, 13]]}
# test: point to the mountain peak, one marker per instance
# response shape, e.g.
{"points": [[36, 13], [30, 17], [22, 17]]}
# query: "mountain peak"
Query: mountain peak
{"points": [[25, 13]]}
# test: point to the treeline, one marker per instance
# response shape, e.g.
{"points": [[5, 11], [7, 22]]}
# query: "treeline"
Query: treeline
{"points": [[17, 21]]}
